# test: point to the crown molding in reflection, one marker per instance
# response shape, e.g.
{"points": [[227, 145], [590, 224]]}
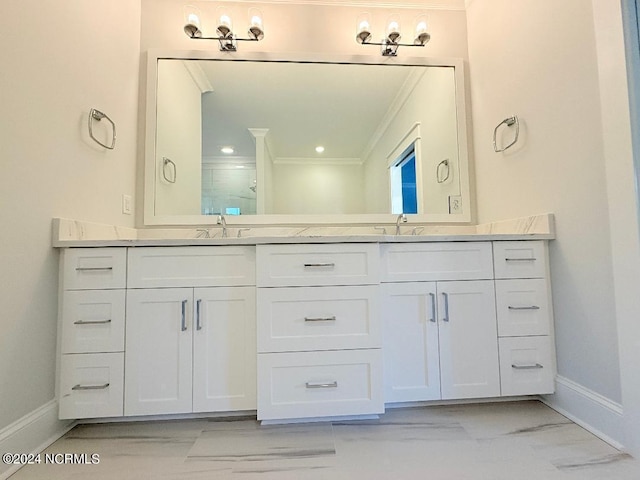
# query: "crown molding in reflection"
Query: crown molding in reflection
{"points": [[317, 161], [409, 4], [198, 76]]}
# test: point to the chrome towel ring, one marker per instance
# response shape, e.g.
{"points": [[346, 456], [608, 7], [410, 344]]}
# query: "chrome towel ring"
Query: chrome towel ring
{"points": [[509, 122], [98, 115]]}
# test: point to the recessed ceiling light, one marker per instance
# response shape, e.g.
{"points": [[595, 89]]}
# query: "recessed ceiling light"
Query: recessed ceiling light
{"points": [[319, 149], [227, 150]]}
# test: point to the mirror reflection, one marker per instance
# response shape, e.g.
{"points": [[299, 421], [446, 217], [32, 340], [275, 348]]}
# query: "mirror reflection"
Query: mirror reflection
{"points": [[256, 137]]}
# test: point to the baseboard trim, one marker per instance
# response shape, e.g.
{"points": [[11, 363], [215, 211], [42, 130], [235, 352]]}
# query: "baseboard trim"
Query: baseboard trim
{"points": [[32, 433], [592, 411]]}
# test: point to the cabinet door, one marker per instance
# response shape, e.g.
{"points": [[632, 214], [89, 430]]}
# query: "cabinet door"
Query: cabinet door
{"points": [[468, 339], [411, 361], [224, 349], [158, 351]]}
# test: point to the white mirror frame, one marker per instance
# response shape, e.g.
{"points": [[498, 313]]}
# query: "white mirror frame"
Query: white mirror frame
{"points": [[151, 219]]}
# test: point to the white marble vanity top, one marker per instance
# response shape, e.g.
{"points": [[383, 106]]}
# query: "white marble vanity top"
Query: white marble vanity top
{"points": [[75, 233]]}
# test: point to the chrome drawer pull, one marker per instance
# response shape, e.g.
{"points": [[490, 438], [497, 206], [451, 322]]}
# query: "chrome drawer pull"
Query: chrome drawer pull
{"points": [[526, 367], [532, 307], [320, 319], [90, 387], [321, 385], [92, 322], [85, 269], [319, 265], [531, 259]]}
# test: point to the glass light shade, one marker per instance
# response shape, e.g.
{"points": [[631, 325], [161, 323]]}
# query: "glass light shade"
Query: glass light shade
{"points": [[393, 29], [256, 27], [192, 17], [363, 28], [422, 36], [224, 26]]}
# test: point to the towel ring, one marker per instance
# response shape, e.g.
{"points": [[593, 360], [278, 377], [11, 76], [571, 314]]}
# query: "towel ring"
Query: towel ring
{"points": [[167, 161], [98, 115], [510, 121], [443, 163]]}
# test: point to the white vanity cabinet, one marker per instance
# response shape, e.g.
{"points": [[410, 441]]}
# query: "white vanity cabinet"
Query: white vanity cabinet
{"points": [[190, 347], [91, 332], [319, 332], [523, 297], [440, 336]]}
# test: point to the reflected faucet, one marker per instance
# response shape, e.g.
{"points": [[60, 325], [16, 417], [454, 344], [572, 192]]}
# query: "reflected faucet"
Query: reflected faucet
{"points": [[223, 222], [401, 218]]}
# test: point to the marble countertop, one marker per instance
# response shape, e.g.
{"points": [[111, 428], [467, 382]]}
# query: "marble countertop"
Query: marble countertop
{"points": [[75, 233]]}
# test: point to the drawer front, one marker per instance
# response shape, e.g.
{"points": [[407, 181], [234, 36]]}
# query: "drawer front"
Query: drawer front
{"points": [[93, 321], [319, 384], [318, 318], [307, 265], [526, 259], [92, 386], [523, 307], [223, 266], [94, 268], [417, 262], [526, 365]]}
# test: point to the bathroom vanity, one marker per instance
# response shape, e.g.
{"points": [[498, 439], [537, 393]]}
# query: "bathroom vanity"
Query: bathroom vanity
{"points": [[300, 327]]}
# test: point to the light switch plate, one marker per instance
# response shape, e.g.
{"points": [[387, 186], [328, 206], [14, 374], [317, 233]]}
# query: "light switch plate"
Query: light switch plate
{"points": [[126, 204]]}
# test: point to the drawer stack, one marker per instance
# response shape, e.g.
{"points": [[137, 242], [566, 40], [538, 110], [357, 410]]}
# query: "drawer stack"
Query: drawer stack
{"points": [[92, 320], [523, 296], [319, 340]]}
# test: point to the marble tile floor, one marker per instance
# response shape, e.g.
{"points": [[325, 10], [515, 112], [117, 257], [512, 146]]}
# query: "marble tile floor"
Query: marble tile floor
{"points": [[496, 441]]}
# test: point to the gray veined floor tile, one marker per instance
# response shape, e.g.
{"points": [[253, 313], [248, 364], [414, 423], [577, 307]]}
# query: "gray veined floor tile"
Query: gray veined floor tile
{"points": [[502, 441], [249, 441]]}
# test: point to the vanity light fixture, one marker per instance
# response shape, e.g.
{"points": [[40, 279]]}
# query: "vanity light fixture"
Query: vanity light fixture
{"points": [[319, 149], [227, 150], [224, 27], [390, 43]]}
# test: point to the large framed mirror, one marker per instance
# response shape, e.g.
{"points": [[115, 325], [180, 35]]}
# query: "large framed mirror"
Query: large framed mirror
{"points": [[281, 140]]}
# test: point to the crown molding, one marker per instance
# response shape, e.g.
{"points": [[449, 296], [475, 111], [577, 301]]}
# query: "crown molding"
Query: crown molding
{"points": [[408, 4]]}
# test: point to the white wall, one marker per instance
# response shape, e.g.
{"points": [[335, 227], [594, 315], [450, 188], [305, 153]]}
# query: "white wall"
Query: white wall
{"points": [[317, 188], [179, 134], [545, 60], [59, 60]]}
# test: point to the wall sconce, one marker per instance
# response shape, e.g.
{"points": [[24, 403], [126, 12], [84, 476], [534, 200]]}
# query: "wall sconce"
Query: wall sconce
{"points": [[390, 43], [224, 27]]}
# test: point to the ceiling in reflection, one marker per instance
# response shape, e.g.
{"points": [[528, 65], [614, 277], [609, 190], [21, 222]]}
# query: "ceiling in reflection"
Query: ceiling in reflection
{"points": [[303, 105]]}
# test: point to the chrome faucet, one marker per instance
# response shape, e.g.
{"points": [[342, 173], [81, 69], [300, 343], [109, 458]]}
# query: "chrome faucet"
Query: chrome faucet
{"points": [[223, 222], [401, 218]]}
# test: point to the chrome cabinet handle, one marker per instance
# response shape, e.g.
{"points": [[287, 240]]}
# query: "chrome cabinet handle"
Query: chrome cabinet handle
{"points": [[319, 265], [320, 319], [526, 367], [433, 307], [183, 323], [529, 259], [198, 323], [321, 385], [531, 307], [87, 269], [92, 322], [446, 307], [90, 387]]}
